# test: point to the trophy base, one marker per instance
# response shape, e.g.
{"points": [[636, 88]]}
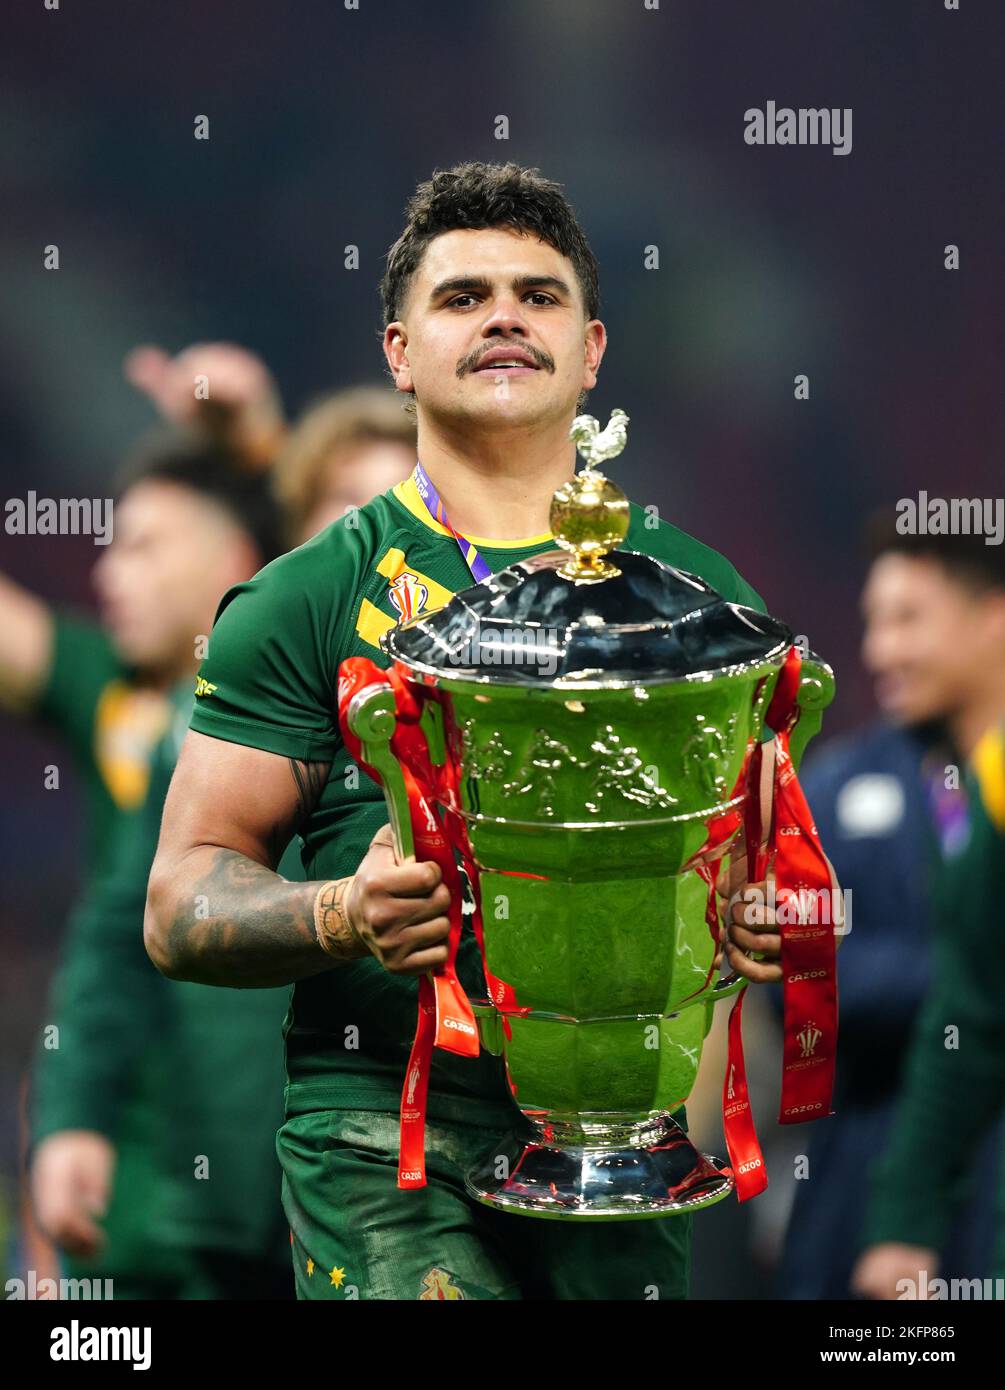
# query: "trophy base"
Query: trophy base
{"points": [[600, 1172]]}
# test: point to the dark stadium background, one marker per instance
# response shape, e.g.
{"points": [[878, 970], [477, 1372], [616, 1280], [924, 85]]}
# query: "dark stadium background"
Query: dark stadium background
{"points": [[773, 262]]}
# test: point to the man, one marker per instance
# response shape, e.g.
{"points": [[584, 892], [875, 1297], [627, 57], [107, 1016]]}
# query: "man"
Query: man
{"points": [[64, 672], [214, 1217], [882, 807], [189, 523], [490, 305], [104, 689], [111, 691], [940, 645]]}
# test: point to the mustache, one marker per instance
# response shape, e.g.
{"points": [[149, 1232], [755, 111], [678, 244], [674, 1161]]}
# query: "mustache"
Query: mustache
{"points": [[541, 359]]}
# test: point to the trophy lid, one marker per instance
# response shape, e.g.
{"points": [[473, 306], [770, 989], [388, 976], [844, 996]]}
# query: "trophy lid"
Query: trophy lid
{"points": [[574, 617], [530, 625]]}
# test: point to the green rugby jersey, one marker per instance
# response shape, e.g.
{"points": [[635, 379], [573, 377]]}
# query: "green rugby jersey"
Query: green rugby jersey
{"points": [[954, 1078], [111, 724], [269, 681], [110, 721], [212, 1058]]}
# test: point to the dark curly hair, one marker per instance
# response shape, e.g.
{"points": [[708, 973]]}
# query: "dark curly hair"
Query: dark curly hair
{"points": [[477, 195], [168, 454]]}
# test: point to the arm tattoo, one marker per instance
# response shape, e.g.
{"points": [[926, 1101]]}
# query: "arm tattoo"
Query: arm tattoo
{"points": [[310, 779], [332, 928], [241, 924]]}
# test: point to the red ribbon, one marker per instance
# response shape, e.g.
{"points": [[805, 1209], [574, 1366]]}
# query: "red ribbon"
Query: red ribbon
{"points": [[809, 971], [446, 1019]]}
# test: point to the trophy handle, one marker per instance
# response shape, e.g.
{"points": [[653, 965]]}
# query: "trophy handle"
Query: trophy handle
{"points": [[816, 691], [373, 720], [490, 1029], [725, 987]]}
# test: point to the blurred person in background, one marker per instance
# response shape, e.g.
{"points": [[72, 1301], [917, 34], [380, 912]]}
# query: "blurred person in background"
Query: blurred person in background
{"points": [[347, 448], [103, 687], [940, 650], [221, 1101], [221, 390], [934, 642], [147, 584], [189, 515], [188, 520]]}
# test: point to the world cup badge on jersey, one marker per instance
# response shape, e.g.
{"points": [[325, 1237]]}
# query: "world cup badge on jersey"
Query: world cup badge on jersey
{"points": [[407, 594]]}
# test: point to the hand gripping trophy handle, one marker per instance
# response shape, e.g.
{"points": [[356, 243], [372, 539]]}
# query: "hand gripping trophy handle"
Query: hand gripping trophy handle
{"points": [[816, 691], [381, 730], [372, 718]]}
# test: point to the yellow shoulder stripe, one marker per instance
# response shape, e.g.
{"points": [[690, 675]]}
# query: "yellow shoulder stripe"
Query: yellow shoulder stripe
{"points": [[989, 768], [394, 563], [372, 623]]}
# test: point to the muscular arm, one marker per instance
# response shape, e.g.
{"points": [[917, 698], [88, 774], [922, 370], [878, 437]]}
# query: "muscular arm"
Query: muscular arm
{"points": [[25, 646], [217, 912]]}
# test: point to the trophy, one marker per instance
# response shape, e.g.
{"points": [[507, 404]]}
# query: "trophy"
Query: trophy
{"points": [[577, 729]]}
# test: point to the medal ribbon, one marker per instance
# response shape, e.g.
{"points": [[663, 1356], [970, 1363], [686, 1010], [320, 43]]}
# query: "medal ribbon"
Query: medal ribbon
{"points": [[433, 503]]}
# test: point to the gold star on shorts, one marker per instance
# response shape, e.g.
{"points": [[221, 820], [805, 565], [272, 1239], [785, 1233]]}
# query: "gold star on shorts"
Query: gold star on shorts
{"points": [[336, 1276], [310, 1267]]}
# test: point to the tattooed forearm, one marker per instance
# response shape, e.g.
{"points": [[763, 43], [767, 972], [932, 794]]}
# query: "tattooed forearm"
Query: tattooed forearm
{"points": [[233, 921]]}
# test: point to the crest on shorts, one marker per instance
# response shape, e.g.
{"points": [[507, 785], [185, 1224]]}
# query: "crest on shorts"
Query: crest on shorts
{"points": [[438, 1284]]}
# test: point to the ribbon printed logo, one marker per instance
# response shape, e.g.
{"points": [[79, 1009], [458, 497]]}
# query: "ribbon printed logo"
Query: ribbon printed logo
{"points": [[809, 1035]]}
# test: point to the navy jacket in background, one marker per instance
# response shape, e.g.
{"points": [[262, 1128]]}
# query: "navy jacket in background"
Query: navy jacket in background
{"points": [[868, 796]]}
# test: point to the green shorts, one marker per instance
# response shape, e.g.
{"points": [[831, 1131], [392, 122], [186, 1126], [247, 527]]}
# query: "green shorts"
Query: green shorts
{"points": [[356, 1234]]}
